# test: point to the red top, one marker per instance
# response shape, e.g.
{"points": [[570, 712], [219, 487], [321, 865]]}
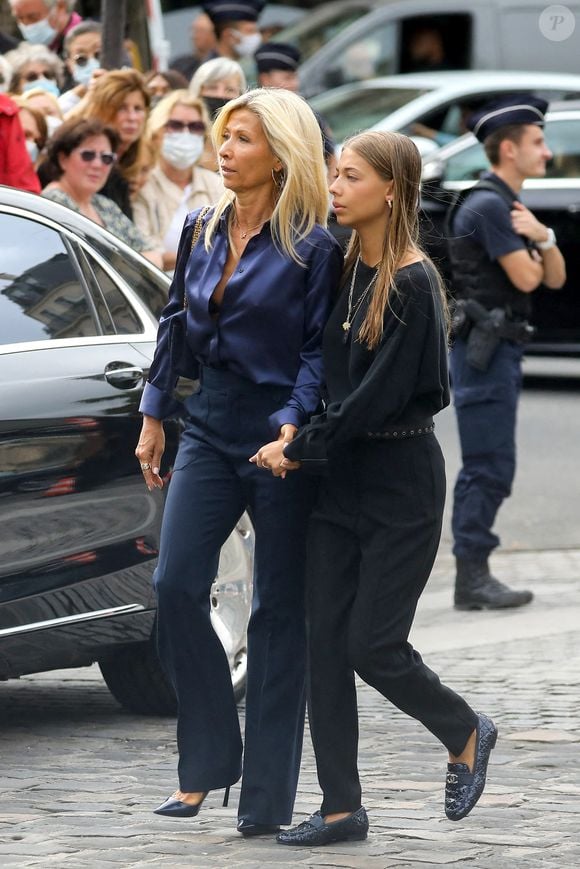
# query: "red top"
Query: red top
{"points": [[16, 169]]}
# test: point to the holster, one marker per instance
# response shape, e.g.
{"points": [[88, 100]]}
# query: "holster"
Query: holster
{"points": [[483, 330]]}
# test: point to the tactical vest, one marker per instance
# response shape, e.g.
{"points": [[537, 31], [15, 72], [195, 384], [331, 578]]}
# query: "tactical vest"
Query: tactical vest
{"points": [[474, 275]]}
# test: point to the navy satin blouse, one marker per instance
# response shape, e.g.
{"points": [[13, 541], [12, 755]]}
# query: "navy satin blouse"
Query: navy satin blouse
{"points": [[270, 323]]}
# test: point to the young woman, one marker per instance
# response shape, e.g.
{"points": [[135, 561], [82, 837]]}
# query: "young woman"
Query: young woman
{"points": [[375, 530], [258, 285]]}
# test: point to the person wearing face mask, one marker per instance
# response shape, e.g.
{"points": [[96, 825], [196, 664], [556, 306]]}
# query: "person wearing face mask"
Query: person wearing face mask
{"points": [[82, 51], [216, 82], [236, 26], [35, 66], [16, 169], [178, 127], [45, 22], [35, 130]]}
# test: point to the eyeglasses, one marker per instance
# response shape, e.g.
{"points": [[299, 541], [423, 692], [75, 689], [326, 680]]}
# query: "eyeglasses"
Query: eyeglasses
{"points": [[34, 76], [107, 158], [82, 59], [180, 126]]}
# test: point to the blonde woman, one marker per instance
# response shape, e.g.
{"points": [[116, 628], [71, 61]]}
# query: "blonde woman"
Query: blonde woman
{"points": [[258, 285], [178, 127], [375, 531]]}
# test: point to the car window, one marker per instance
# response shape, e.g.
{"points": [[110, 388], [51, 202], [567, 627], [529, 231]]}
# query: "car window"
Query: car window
{"points": [[348, 113], [563, 140], [368, 56], [109, 297], [150, 285], [41, 294]]}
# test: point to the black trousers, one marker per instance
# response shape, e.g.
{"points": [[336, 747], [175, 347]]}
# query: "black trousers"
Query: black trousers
{"points": [[372, 542], [212, 484]]}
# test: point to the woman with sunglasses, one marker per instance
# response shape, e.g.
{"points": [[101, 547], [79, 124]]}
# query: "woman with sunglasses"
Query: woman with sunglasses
{"points": [[178, 127], [81, 155], [35, 66], [82, 52]]}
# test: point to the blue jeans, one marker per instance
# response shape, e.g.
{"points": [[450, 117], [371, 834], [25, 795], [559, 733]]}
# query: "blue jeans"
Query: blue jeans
{"points": [[212, 484], [486, 408]]}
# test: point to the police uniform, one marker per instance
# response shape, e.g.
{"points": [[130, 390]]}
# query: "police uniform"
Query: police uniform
{"points": [[486, 370]]}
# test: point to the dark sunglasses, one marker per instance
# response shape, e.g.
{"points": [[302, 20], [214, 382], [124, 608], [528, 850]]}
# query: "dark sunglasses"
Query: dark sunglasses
{"points": [[180, 126], [82, 59], [107, 158], [34, 76]]}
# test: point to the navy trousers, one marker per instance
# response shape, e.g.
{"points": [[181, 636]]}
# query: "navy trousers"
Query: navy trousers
{"points": [[212, 484], [486, 407], [373, 537]]}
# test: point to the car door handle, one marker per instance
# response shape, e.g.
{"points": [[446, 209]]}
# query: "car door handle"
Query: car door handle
{"points": [[123, 375]]}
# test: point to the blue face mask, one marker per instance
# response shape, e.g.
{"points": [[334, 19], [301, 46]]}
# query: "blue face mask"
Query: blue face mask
{"points": [[45, 84], [40, 32], [82, 74]]}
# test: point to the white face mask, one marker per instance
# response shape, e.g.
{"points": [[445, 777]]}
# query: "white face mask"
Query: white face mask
{"points": [[182, 150], [248, 43], [32, 149], [40, 32], [82, 74]]}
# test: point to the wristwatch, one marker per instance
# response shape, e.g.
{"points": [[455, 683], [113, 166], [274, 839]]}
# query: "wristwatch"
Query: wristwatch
{"points": [[550, 241]]}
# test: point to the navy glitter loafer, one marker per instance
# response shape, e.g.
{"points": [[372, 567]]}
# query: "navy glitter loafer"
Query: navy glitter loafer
{"points": [[315, 831], [248, 829], [463, 788]]}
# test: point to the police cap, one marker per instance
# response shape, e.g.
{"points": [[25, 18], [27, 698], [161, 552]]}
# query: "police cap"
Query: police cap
{"points": [[277, 55], [233, 10], [513, 109]]}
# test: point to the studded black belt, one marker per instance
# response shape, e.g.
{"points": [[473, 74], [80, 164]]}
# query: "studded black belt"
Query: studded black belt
{"points": [[398, 432]]}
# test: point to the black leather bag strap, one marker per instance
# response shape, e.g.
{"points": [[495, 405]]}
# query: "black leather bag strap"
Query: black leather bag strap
{"points": [[198, 226]]}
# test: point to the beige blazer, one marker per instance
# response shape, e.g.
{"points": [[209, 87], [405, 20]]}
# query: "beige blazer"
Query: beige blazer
{"points": [[159, 199]]}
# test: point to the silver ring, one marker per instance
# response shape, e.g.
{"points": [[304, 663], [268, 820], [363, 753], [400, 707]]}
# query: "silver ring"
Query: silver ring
{"points": [[145, 466]]}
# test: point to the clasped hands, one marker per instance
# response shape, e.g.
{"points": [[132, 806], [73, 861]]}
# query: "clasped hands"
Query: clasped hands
{"points": [[271, 456]]}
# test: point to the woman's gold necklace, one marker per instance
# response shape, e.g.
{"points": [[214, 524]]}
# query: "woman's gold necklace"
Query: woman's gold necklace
{"points": [[244, 233], [353, 310]]}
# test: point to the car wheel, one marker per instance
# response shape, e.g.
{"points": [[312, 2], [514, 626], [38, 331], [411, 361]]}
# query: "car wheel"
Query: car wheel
{"points": [[134, 675]]}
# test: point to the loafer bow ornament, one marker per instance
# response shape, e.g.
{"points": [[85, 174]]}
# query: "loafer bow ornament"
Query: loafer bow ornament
{"points": [[315, 831], [463, 788]]}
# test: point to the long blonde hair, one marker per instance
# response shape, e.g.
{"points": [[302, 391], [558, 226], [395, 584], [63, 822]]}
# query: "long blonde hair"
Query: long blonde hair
{"points": [[396, 158], [295, 138]]}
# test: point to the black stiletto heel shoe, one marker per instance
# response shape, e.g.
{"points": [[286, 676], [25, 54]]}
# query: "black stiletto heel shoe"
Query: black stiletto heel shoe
{"points": [[173, 808]]}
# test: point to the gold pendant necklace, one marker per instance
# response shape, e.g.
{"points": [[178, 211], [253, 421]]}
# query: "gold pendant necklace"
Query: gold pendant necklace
{"points": [[353, 310], [244, 233]]}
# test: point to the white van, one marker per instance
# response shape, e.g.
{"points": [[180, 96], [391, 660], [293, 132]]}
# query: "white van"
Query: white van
{"points": [[476, 34]]}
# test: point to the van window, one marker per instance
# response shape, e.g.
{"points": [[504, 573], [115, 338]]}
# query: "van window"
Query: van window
{"points": [[371, 55], [430, 43]]}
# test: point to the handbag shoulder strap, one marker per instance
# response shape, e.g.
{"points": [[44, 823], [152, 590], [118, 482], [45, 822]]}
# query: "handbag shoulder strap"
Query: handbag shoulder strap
{"points": [[198, 226]]}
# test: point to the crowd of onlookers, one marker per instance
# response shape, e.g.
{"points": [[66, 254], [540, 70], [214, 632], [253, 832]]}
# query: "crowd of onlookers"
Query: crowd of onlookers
{"points": [[129, 149]]}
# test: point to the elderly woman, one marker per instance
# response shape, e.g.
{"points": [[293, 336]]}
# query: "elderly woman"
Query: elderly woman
{"points": [[81, 155], [119, 99], [217, 81], [35, 66], [178, 127], [82, 51], [258, 284]]}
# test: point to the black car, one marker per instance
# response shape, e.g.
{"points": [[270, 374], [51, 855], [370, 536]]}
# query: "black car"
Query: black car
{"points": [[78, 529], [555, 200]]}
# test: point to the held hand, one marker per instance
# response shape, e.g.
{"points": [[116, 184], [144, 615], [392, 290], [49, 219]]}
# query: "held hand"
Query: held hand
{"points": [[149, 451], [524, 223], [270, 458]]}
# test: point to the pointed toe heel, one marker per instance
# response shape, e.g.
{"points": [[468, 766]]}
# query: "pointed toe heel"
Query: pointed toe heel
{"points": [[173, 808]]}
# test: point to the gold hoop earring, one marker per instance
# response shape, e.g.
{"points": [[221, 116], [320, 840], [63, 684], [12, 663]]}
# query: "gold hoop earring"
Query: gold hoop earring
{"points": [[278, 181]]}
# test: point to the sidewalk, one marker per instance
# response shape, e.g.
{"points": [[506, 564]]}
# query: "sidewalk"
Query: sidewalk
{"points": [[78, 777]]}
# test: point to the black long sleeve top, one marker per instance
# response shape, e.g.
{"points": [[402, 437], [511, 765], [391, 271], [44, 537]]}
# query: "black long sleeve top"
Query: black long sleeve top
{"points": [[403, 380]]}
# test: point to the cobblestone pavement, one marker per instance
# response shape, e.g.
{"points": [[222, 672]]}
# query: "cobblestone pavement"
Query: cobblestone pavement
{"points": [[78, 777]]}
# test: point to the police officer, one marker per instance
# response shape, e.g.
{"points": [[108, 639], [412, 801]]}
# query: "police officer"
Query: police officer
{"points": [[277, 64], [500, 253], [236, 26]]}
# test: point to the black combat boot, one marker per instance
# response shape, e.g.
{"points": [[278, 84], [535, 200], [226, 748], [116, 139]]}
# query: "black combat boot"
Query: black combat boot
{"points": [[477, 589]]}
